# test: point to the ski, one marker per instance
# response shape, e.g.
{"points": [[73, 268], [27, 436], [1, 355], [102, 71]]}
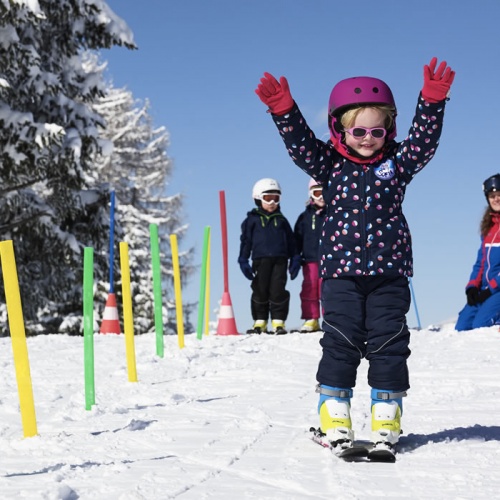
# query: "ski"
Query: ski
{"points": [[358, 451], [279, 331], [303, 332], [382, 453], [353, 453]]}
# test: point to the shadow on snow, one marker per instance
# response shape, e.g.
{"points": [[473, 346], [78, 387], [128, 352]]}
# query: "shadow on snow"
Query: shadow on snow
{"points": [[477, 432]]}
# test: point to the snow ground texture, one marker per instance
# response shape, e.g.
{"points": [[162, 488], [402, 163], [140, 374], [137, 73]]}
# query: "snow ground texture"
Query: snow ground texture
{"points": [[228, 417]]}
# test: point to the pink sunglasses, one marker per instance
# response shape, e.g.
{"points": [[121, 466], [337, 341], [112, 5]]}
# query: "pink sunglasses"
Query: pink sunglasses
{"points": [[360, 132]]}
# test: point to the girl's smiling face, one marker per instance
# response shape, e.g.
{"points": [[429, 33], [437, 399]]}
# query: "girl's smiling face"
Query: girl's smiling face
{"points": [[368, 145], [494, 200]]}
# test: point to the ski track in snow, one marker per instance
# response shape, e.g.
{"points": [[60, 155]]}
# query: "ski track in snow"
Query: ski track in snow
{"points": [[228, 417]]}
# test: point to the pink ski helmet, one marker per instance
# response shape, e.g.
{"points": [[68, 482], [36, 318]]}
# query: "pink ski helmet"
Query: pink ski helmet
{"points": [[358, 91], [313, 186], [313, 183]]}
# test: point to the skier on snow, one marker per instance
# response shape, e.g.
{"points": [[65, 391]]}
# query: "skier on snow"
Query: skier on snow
{"points": [[483, 299], [365, 247], [267, 238], [307, 231]]}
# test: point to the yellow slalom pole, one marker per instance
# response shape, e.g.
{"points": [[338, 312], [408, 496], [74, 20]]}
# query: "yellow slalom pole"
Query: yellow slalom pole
{"points": [[18, 338], [207, 290], [128, 320], [177, 288]]}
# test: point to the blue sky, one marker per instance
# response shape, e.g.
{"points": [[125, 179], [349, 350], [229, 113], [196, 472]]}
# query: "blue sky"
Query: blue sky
{"points": [[199, 62]]}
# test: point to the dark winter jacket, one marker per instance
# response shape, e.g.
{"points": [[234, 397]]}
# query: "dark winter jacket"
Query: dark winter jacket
{"points": [[486, 270], [307, 232], [266, 235], [364, 230]]}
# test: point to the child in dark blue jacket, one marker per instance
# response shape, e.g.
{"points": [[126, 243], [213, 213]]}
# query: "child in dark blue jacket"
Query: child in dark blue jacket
{"points": [[365, 248], [267, 238], [307, 232]]}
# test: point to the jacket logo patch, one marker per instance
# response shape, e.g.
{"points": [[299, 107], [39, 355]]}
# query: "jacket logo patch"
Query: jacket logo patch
{"points": [[385, 171]]}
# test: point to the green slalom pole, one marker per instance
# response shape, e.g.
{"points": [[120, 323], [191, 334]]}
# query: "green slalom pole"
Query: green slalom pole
{"points": [[203, 283], [157, 294], [88, 326]]}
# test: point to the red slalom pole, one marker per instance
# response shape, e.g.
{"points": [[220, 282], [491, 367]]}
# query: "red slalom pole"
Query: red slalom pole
{"points": [[223, 223], [227, 323]]}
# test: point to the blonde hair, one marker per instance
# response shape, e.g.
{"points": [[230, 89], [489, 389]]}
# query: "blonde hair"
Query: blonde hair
{"points": [[349, 117]]}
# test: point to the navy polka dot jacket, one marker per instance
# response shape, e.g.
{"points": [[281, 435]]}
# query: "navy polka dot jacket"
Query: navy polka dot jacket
{"points": [[364, 231]]}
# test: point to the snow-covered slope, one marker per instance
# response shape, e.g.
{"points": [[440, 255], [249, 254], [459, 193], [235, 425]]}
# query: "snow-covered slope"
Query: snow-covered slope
{"points": [[228, 417]]}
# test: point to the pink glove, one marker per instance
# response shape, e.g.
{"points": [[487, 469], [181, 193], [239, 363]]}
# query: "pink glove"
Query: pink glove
{"points": [[437, 82], [276, 95]]}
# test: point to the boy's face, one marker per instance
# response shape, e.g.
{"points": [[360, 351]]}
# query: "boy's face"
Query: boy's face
{"points": [[367, 145], [270, 207], [270, 201]]}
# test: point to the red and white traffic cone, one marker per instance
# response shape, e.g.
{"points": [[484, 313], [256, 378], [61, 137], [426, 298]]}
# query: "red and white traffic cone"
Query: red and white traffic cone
{"points": [[227, 323], [110, 322]]}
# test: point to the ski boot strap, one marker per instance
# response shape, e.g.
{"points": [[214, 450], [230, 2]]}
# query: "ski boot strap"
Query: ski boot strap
{"points": [[387, 396], [334, 393]]}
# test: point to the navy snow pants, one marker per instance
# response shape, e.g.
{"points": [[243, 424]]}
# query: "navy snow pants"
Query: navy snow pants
{"points": [[365, 317], [269, 294]]}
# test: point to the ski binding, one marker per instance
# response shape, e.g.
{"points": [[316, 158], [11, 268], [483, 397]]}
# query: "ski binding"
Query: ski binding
{"points": [[357, 451]]}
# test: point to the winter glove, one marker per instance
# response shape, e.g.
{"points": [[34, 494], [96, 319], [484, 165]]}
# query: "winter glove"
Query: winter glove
{"points": [[246, 268], [437, 82], [276, 95], [472, 295], [483, 295], [294, 268]]}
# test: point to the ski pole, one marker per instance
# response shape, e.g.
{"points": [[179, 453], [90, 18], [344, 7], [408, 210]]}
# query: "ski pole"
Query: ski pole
{"points": [[415, 304]]}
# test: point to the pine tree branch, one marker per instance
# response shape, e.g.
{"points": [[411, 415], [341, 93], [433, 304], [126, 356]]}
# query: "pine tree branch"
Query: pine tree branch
{"points": [[23, 221], [18, 187]]}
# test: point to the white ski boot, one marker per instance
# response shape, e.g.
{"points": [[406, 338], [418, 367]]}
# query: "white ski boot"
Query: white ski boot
{"points": [[335, 416], [335, 422], [387, 409], [386, 423]]}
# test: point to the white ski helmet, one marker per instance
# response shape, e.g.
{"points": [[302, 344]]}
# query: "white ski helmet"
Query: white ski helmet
{"points": [[265, 186]]}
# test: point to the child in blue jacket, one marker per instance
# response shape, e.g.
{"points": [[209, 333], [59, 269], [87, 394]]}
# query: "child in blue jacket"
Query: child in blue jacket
{"points": [[483, 299], [365, 248], [267, 238], [307, 232]]}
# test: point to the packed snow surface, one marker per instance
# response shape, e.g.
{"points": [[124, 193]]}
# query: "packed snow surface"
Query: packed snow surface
{"points": [[228, 417]]}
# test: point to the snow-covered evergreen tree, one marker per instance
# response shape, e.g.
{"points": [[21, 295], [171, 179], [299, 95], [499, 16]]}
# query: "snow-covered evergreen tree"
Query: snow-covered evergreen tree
{"points": [[138, 171], [49, 139]]}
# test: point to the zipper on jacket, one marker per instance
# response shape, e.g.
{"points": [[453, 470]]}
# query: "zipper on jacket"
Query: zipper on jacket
{"points": [[273, 217], [488, 264], [363, 196]]}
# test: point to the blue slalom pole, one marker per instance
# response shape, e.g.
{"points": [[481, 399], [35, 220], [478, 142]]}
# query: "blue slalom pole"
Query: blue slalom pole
{"points": [[111, 242], [415, 304]]}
